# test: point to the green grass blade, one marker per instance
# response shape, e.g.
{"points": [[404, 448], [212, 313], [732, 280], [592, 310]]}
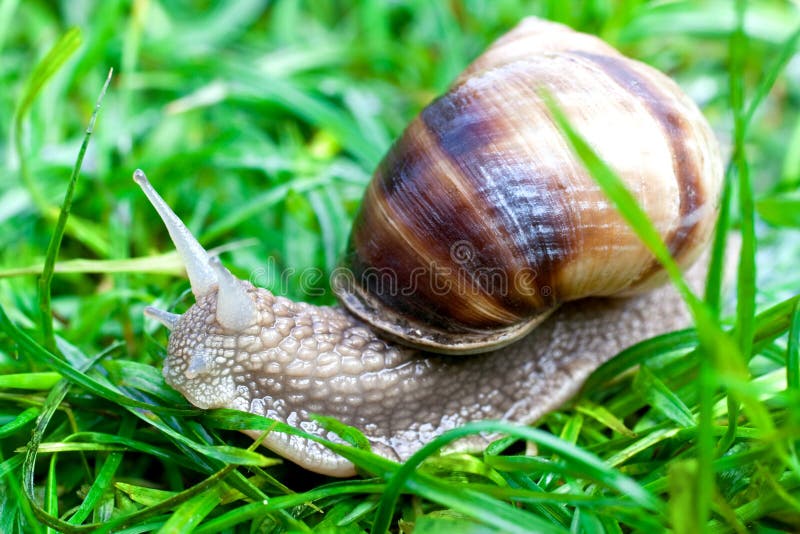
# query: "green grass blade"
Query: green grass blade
{"points": [[624, 201], [190, 514], [480, 506], [718, 345], [104, 478], [350, 434], [225, 454], [726, 356], [167, 263], [683, 497], [19, 422], [258, 509], [745, 311], [7, 8], [716, 265], [591, 466], [793, 368], [144, 495], [602, 415], [33, 381], [38, 353], [160, 453], [58, 447], [661, 398], [640, 353], [746, 290], [51, 404], [144, 378], [9, 466], [58, 233], [260, 203], [780, 209], [786, 53], [45, 69], [50, 504], [165, 505]]}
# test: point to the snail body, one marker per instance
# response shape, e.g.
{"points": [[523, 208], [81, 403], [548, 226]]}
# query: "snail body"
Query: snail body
{"points": [[482, 222]]}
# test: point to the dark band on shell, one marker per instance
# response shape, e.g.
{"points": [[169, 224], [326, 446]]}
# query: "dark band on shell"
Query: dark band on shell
{"points": [[686, 165]]}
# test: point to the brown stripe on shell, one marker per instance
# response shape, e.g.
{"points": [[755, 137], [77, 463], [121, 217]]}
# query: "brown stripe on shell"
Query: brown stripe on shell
{"points": [[433, 207], [522, 202], [676, 129], [416, 212]]}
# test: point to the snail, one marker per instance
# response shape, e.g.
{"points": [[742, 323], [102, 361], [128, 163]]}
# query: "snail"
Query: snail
{"points": [[479, 265]]}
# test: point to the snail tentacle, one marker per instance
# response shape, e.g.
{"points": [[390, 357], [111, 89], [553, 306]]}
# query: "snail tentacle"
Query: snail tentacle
{"points": [[164, 317], [195, 258], [235, 309]]}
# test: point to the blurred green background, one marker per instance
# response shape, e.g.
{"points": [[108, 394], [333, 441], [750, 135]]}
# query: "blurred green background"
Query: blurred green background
{"points": [[260, 123]]}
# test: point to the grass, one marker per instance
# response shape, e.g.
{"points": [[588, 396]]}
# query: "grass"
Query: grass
{"points": [[262, 122]]}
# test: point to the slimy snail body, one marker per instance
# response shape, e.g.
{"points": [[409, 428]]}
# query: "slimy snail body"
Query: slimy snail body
{"points": [[484, 166]]}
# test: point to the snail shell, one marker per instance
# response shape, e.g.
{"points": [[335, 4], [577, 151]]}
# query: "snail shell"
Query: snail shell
{"points": [[481, 220], [481, 182]]}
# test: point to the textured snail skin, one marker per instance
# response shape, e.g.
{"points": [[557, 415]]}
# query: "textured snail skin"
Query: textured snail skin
{"points": [[483, 186], [298, 359]]}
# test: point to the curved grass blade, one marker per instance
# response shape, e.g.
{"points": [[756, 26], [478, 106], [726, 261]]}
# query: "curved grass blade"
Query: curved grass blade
{"points": [[718, 345], [488, 510], [745, 287], [663, 399], [256, 509], [726, 356], [592, 467], [45, 69], [793, 352], [58, 233], [104, 478], [714, 281], [131, 444], [639, 353], [32, 381], [52, 402], [626, 204], [40, 354], [716, 265], [226, 454], [19, 421], [191, 513]]}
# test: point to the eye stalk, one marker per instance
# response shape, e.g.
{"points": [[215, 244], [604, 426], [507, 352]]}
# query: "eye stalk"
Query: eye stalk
{"points": [[202, 275], [236, 309], [164, 317]]}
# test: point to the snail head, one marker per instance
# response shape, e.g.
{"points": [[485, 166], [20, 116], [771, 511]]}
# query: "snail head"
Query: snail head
{"points": [[204, 340]]}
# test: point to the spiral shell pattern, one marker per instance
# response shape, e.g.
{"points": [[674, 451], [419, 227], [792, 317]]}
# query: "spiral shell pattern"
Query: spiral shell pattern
{"points": [[481, 220]]}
